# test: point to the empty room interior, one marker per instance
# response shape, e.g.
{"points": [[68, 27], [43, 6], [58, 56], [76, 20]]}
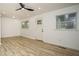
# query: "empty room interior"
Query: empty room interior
{"points": [[39, 29]]}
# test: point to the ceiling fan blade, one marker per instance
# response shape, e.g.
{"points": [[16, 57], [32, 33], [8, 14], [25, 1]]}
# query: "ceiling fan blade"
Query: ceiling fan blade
{"points": [[18, 9], [29, 9], [22, 5]]}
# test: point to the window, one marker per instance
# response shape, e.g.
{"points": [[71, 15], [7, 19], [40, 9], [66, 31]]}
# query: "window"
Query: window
{"points": [[67, 21], [25, 24], [39, 21]]}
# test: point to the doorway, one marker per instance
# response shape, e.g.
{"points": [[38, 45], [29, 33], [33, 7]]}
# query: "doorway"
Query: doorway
{"points": [[39, 29]]}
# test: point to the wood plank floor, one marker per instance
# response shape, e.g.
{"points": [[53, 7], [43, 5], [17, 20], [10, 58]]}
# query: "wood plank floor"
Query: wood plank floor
{"points": [[19, 46]]}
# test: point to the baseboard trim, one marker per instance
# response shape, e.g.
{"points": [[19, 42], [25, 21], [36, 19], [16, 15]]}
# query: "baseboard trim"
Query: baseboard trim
{"points": [[28, 37], [63, 47], [52, 44], [10, 37]]}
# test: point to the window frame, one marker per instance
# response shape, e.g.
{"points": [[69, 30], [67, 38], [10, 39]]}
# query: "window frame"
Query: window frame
{"points": [[75, 22]]}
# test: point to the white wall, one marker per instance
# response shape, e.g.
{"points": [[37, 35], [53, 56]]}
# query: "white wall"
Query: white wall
{"points": [[67, 38], [31, 31], [0, 26], [0, 29], [10, 27]]}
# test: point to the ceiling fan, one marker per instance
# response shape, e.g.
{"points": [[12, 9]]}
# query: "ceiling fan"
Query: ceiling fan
{"points": [[23, 7]]}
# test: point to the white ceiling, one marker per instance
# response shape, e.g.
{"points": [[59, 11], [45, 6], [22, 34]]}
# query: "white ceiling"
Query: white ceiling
{"points": [[9, 9]]}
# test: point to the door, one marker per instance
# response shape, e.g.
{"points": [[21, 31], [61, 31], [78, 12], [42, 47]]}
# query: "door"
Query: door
{"points": [[39, 30]]}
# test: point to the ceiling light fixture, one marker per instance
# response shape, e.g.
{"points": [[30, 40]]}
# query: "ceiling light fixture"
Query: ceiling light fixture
{"points": [[39, 8], [13, 17], [22, 8]]}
